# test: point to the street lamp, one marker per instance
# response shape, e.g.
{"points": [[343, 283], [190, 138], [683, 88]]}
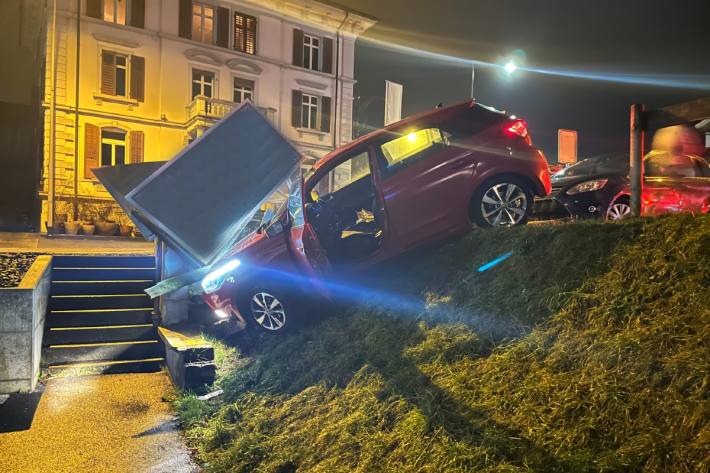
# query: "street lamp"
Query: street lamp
{"points": [[510, 67]]}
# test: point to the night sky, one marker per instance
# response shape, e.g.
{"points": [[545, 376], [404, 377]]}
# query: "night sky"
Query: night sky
{"points": [[649, 39]]}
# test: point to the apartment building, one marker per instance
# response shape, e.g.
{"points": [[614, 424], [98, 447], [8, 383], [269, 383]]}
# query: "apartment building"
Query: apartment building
{"points": [[136, 80]]}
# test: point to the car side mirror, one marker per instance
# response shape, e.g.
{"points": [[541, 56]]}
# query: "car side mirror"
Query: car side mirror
{"points": [[315, 197]]}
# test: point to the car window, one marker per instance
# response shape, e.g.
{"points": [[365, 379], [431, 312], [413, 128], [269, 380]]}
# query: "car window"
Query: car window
{"points": [[608, 164], [344, 174], [410, 145], [667, 165]]}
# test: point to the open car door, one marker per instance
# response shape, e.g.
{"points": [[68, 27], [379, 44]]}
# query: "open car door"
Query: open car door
{"points": [[303, 241]]}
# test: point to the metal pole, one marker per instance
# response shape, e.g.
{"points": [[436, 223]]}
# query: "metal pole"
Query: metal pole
{"points": [[473, 77], [52, 119], [75, 202], [636, 157]]}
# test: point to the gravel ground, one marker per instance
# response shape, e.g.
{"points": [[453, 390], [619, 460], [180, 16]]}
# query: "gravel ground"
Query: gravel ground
{"points": [[108, 423], [13, 266]]}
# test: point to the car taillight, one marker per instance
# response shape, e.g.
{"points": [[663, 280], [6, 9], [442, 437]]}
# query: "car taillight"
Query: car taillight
{"points": [[518, 127]]}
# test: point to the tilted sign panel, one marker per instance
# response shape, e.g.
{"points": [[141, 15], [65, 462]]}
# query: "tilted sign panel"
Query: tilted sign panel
{"points": [[202, 198]]}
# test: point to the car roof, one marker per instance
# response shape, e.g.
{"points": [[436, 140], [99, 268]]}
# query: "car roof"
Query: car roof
{"points": [[433, 115]]}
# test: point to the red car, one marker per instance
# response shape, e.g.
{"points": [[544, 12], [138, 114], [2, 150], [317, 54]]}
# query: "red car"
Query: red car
{"points": [[422, 179]]}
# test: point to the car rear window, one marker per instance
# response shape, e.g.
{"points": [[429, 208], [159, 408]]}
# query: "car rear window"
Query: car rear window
{"points": [[472, 121]]}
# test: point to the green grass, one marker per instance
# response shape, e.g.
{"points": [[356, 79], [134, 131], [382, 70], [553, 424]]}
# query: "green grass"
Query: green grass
{"points": [[587, 350]]}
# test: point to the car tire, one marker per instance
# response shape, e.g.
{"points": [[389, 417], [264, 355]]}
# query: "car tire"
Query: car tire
{"points": [[271, 311], [504, 201], [619, 209]]}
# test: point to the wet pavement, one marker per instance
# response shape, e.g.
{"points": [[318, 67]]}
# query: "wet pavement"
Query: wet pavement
{"points": [[108, 423]]}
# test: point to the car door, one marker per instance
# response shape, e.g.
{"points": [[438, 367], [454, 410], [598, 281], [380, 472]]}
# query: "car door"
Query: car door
{"points": [[676, 184], [303, 241], [424, 184]]}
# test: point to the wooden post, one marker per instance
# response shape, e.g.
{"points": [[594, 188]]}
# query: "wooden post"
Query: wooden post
{"points": [[636, 157]]}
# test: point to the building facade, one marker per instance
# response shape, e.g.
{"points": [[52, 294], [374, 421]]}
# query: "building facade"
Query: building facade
{"points": [[137, 80], [22, 40]]}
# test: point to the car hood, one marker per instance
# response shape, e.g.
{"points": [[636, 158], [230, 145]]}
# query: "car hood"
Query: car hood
{"points": [[566, 181], [200, 201]]}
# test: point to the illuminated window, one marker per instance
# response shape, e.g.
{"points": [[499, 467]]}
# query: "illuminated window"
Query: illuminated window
{"points": [[115, 11], [203, 23], [113, 147], [311, 52], [245, 33], [411, 144], [243, 90], [309, 111], [114, 74], [202, 83]]}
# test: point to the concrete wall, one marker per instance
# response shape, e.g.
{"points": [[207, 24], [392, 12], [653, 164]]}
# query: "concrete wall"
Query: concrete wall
{"points": [[22, 314]]}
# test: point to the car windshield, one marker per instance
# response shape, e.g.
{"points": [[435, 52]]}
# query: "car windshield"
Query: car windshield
{"points": [[616, 163], [287, 198]]}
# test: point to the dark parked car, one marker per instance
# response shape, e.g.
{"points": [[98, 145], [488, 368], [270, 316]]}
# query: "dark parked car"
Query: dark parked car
{"points": [[599, 187], [585, 189], [422, 179]]}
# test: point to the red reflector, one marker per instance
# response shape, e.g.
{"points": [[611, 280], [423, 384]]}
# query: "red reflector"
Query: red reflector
{"points": [[518, 127]]}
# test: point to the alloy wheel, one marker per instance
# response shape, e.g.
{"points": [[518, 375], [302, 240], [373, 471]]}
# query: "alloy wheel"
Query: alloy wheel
{"points": [[268, 311], [618, 210], [504, 204]]}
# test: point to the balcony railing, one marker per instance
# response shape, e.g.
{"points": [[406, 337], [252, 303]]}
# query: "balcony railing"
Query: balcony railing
{"points": [[207, 108]]}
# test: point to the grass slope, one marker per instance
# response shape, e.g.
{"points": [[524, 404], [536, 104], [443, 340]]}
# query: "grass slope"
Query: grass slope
{"points": [[587, 350]]}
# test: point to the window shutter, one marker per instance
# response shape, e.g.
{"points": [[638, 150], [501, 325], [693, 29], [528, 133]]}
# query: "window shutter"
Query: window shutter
{"points": [[135, 141], [328, 55], [297, 47], [223, 27], [185, 21], [93, 8], [108, 73], [296, 103], [138, 13], [325, 114], [92, 146], [138, 78]]}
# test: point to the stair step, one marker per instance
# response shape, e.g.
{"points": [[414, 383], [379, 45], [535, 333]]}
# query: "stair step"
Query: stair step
{"points": [[65, 273], [129, 286], [98, 301], [145, 365], [99, 334], [109, 351], [95, 318], [103, 261]]}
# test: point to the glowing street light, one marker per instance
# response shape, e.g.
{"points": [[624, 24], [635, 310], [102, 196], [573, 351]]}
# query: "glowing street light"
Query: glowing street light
{"points": [[510, 67]]}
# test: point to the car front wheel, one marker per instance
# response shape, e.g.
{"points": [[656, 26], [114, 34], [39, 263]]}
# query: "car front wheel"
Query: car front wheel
{"points": [[268, 310], [503, 202], [619, 209]]}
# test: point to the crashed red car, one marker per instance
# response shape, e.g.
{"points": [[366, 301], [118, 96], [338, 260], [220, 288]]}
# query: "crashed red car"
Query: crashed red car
{"points": [[420, 180]]}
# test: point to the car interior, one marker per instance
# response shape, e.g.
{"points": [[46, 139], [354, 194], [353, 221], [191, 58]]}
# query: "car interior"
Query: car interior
{"points": [[341, 206]]}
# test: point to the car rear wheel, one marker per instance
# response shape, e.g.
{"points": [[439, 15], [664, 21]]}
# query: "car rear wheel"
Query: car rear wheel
{"points": [[619, 209], [502, 202]]}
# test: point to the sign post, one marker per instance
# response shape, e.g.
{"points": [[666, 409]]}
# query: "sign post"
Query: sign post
{"points": [[636, 157]]}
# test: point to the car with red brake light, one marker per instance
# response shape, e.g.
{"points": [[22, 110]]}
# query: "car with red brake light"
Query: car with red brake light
{"points": [[420, 180]]}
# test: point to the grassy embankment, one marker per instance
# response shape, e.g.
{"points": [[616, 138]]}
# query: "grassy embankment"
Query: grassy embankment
{"points": [[587, 350]]}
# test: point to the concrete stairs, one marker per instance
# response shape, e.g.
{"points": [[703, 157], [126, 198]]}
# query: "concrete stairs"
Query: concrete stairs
{"points": [[99, 318]]}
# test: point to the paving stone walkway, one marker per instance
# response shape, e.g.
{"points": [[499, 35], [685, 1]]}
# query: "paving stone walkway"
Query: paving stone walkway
{"points": [[38, 243], [108, 423]]}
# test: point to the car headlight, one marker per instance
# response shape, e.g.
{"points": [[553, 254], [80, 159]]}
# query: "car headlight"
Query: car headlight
{"points": [[587, 186], [214, 279]]}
